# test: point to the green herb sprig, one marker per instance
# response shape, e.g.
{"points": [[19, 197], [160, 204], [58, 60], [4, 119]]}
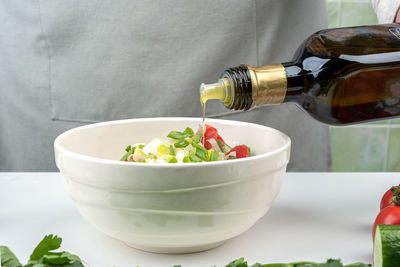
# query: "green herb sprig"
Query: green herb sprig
{"points": [[42, 256], [329, 263]]}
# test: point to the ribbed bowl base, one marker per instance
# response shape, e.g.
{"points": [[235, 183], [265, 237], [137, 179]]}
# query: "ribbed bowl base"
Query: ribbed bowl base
{"points": [[175, 249]]}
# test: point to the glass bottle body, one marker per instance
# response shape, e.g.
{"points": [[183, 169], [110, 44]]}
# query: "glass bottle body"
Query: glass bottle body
{"points": [[348, 75]]}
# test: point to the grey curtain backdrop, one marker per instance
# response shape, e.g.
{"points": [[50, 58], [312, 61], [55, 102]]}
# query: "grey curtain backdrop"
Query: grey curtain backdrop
{"points": [[68, 63]]}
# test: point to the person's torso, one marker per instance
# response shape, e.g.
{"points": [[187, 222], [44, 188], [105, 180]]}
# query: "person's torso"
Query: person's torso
{"points": [[107, 60]]}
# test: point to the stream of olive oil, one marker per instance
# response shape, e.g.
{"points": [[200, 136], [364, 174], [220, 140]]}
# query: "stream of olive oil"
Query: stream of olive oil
{"points": [[203, 125], [212, 93], [203, 100]]}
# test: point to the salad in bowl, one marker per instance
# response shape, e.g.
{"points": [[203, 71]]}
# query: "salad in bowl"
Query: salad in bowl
{"points": [[185, 147]]}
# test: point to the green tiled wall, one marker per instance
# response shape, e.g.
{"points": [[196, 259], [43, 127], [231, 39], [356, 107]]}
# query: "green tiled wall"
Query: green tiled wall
{"points": [[364, 147], [350, 13], [359, 148], [393, 163]]}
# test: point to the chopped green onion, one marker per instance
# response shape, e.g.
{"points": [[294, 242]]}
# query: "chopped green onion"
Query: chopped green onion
{"points": [[201, 154], [197, 138], [181, 143], [226, 148], [188, 131], [221, 146], [231, 157], [248, 148], [214, 155], [171, 150], [194, 158], [141, 146], [186, 159], [200, 147], [128, 152], [173, 160], [125, 157]]}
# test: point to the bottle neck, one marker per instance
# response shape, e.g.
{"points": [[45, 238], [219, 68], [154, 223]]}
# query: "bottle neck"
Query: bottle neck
{"points": [[245, 87], [268, 84]]}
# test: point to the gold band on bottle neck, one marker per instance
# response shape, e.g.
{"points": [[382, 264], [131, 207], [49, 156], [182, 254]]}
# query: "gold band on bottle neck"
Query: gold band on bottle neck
{"points": [[269, 84]]}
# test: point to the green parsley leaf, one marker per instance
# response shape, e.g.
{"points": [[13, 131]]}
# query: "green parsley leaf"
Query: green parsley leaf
{"points": [[63, 259], [8, 259], [299, 264], [330, 263], [358, 264], [48, 243], [55, 259], [42, 255], [238, 263]]}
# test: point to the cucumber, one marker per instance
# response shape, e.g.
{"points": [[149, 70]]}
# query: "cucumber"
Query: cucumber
{"points": [[387, 246]]}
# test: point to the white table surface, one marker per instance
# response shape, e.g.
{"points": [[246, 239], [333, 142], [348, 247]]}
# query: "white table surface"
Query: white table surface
{"points": [[315, 216]]}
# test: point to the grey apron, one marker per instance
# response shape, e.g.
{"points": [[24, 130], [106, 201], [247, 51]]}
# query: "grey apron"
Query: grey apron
{"points": [[67, 63]]}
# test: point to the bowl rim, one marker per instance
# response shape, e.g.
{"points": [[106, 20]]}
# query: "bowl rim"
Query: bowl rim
{"points": [[60, 148]]}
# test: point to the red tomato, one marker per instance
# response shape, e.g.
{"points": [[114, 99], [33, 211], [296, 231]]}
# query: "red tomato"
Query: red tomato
{"points": [[242, 151], [387, 198], [389, 215], [207, 145], [211, 133]]}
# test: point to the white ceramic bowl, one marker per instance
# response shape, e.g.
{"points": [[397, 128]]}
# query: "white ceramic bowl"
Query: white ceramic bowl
{"points": [[170, 208]]}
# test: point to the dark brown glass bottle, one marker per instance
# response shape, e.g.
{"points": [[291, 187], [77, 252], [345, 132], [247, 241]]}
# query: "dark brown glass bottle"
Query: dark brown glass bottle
{"points": [[338, 76]]}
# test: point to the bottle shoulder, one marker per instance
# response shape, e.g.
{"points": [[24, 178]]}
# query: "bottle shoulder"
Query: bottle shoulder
{"points": [[361, 40]]}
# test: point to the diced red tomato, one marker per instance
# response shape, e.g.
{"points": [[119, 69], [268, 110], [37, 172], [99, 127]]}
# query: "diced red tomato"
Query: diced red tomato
{"points": [[207, 145], [242, 151], [211, 133]]}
